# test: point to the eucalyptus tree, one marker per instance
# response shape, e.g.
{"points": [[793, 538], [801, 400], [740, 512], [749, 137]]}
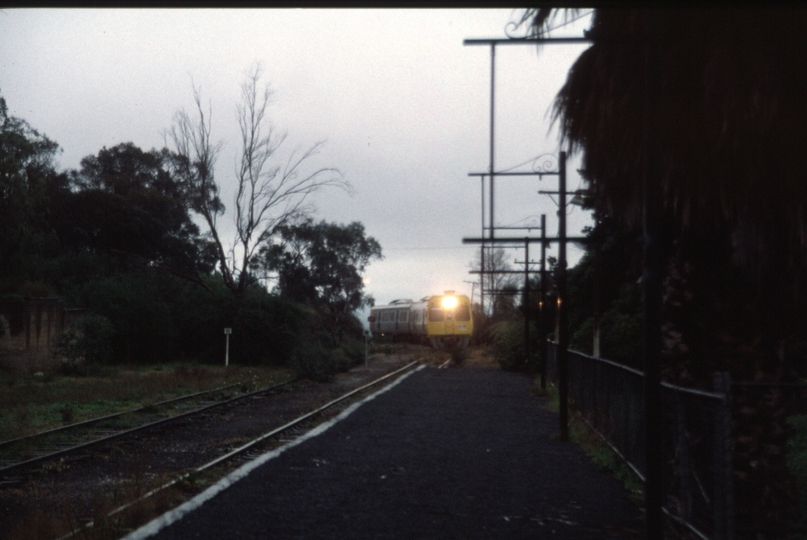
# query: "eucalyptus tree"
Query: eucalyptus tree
{"points": [[322, 263], [271, 190], [127, 201], [27, 175]]}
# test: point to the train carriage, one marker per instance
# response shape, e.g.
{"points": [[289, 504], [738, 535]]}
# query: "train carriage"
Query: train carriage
{"points": [[441, 320]]}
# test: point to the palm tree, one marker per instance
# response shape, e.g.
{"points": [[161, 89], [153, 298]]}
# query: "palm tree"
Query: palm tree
{"points": [[733, 139]]}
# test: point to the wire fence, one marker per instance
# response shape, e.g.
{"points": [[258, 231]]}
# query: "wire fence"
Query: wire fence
{"points": [[697, 441]]}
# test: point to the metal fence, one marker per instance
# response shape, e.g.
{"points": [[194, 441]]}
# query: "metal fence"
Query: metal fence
{"points": [[697, 441]]}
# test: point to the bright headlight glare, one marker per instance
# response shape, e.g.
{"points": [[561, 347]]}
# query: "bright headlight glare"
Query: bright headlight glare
{"points": [[449, 302]]}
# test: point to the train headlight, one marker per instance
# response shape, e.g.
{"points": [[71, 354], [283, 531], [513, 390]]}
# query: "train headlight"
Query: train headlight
{"points": [[449, 302]]}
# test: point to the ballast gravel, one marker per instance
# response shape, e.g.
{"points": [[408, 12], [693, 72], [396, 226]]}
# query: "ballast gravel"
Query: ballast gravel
{"points": [[446, 454]]}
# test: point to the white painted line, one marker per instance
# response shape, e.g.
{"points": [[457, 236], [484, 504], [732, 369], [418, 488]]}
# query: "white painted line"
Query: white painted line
{"points": [[172, 516]]}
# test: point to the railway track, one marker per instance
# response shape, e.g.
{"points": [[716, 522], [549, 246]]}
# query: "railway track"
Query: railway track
{"points": [[255, 447], [24, 453]]}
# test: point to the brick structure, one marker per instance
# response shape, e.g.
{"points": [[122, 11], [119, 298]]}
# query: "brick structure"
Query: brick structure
{"points": [[27, 328]]}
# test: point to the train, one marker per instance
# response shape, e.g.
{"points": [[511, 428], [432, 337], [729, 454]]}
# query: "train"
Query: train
{"points": [[443, 321]]}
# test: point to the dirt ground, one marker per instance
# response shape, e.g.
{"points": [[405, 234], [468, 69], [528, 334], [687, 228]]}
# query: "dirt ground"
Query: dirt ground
{"points": [[77, 489]]}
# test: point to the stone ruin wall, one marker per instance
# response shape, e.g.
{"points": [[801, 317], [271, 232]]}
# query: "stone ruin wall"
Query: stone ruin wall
{"points": [[27, 328]]}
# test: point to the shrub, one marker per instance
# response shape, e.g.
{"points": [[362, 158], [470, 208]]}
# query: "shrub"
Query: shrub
{"points": [[350, 353], [265, 327], [459, 355], [69, 348], [508, 345], [137, 304], [317, 358], [88, 341], [312, 361]]}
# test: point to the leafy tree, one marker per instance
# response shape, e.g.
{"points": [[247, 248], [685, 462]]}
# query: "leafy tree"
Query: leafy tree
{"points": [[605, 284], [110, 238], [322, 263], [269, 195], [26, 175], [127, 201], [86, 342], [137, 304], [266, 327], [731, 128]]}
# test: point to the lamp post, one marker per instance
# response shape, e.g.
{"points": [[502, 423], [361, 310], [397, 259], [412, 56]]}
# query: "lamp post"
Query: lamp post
{"points": [[563, 317], [651, 281], [541, 306], [562, 239], [366, 352]]}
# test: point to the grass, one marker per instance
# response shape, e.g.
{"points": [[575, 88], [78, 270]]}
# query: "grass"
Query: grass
{"points": [[29, 404], [603, 456], [593, 445]]}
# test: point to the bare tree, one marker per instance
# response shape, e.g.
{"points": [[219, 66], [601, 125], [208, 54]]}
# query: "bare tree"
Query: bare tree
{"points": [[497, 283], [271, 192], [195, 163]]}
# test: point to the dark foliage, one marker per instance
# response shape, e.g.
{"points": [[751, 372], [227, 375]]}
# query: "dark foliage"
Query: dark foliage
{"points": [[321, 264], [27, 179], [731, 133], [126, 201], [116, 238]]}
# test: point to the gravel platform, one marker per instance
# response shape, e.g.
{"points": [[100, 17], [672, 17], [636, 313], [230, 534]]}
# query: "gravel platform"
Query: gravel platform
{"points": [[448, 453]]}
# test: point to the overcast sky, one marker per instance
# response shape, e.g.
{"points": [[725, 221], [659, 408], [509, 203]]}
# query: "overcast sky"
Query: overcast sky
{"points": [[403, 105]]}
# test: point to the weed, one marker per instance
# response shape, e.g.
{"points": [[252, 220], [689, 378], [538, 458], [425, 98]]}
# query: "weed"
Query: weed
{"points": [[38, 524], [68, 414], [75, 369], [150, 409], [21, 417], [591, 443], [182, 371], [137, 473], [32, 405], [386, 348], [313, 362], [459, 355], [508, 345], [45, 376], [99, 370]]}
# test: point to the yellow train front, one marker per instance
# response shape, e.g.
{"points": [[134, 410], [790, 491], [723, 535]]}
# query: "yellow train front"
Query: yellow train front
{"points": [[442, 320]]}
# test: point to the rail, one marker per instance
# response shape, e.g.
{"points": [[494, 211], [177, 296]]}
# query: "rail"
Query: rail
{"points": [[102, 440], [243, 449], [112, 416]]}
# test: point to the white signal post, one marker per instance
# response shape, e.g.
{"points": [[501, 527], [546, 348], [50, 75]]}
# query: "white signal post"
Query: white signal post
{"points": [[366, 341], [227, 332]]}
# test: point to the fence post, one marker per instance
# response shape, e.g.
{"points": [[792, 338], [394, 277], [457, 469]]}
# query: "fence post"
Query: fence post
{"points": [[723, 507], [684, 467]]}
